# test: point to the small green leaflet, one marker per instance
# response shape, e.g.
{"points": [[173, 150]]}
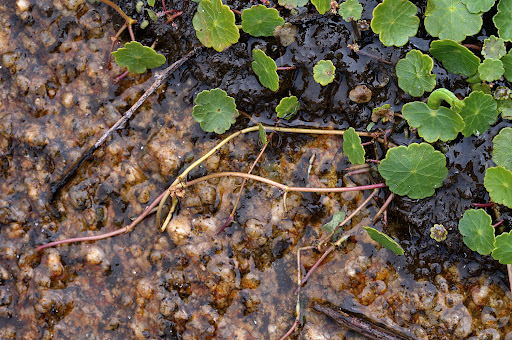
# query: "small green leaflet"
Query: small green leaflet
{"points": [[137, 58], [502, 148], [290, 4], [443, 123], [455, 58], [414, 73], [438, 232], [505, 108], [491, 69], [215, 25], [322, 6], [262, 134], [352, 147], [477, 231], [350, 9], [151, 3], [479, 112], [507, 65], [498, 182], [337, 218], [266, 69], [323, 72], [288, 107], [215, 111], [260, 21], [384, 240], [503, 19], [152, 15], [414, 171], [395, 21], [450, 19], [503, 251], [494, 48], [478, 6]]}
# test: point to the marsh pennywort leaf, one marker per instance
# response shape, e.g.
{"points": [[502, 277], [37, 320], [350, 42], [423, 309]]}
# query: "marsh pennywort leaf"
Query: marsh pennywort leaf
{"points": [[384, 240], [137, 58], [479, 112], [502, 148], [350, 9], [215, 25], [337, 218], [262, 134], [494, 48], [442, 123], [507, 65], [413, 171], [151, 3], [498, 182], [477, 231], [455, 58], [288, 107], [450, 19], [395, 21], [478, 6], [503, 19], [290, 4], [266, 69], [260, 21], [323, 72], [491, 69], [503, 250], [215, 111], [505, 108], [352, 147], [322, 6], [414, 73]]}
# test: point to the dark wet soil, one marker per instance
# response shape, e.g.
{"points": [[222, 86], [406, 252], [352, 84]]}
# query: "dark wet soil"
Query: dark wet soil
{"points": [[57, 99]]}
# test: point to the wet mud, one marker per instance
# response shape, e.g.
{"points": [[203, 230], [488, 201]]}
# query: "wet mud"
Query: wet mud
{"points": [[57, 98]]}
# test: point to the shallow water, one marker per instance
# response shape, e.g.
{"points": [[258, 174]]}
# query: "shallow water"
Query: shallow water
{"points": [[57, 99]]}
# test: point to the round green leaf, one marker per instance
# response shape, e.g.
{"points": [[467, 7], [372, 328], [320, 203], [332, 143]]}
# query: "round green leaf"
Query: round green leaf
{"points": [[290, 4], [260, 21], [450, 19], [455, 58], [503, 250], [414, 73], [507, 65], [215, 111], [442, 123], [494, 48], [323, 72], [478, 6], [215, 25], [395, 21], [350, 9], [479, 112], [137, 58], [491, 69], [505, 108], [477, 231], [288, 107], [384, 240], [502, 148], [503, 19], [322, 6], [414, 171], [498, 182], [266, 69], [352, 147]]}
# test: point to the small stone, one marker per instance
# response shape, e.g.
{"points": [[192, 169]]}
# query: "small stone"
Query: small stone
{"points": [[95, 255], [67, 100], [23, 5]]}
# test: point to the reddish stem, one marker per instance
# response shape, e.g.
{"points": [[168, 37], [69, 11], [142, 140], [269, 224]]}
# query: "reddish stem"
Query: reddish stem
{"points": [[374, 161], [497, 224], [357, 172], [286, 68], [170, 18], [294, 326], [473, 46], [317, 263], [483, 205], [236, 11], [383, 208], [120, 77]]}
